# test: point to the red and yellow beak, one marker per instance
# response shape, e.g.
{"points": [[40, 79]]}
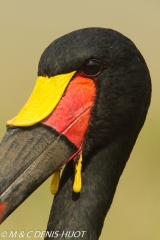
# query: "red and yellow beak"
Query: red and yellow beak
{"points": [[48, 131]]}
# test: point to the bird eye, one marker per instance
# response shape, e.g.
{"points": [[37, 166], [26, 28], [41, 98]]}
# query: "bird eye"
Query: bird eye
{"points": [[92, 68]]}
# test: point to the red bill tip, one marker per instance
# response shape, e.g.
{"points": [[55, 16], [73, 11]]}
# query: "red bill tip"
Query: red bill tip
{"points": [[2, 209]]}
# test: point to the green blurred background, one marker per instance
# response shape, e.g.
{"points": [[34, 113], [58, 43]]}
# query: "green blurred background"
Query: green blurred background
{"points": [[27, 27]]}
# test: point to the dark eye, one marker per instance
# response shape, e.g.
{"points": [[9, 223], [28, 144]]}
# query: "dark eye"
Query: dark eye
{"points": [[92, 68]]}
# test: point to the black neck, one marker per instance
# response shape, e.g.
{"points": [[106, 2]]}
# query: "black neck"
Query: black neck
{"points": [[86, 211]]}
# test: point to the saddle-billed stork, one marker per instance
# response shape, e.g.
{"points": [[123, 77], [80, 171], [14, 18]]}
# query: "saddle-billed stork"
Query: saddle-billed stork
{"points": [[87, 108]]}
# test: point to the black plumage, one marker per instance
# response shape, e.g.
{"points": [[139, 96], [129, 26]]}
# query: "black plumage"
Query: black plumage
{"points": [[122, 99]]}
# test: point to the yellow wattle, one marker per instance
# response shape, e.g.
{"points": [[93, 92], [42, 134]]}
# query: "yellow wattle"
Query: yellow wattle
{"points": [[55, 182], [77, 185]]}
